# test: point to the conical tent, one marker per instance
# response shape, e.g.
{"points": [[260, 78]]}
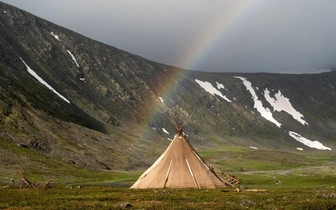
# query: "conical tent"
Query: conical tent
{"points": [[179, 167]]}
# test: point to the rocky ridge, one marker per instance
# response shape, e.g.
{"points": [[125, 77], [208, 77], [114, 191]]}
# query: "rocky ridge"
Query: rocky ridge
{"points": [[121, 109]]}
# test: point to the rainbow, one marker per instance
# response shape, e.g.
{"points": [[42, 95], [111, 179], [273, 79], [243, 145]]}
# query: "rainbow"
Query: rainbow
{"points": [[200, 48], [213, 33]]}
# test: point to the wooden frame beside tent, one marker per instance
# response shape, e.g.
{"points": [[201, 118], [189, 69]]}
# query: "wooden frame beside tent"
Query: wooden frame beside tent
{"points": [[181, 167]]}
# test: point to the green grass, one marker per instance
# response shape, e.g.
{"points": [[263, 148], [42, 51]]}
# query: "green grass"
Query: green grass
{"points": [[309, 187], [114, 198], [291, 180], [246, 159]]}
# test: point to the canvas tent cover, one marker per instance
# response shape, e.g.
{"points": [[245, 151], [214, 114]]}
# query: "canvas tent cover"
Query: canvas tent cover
{"points": [[179, 167]]}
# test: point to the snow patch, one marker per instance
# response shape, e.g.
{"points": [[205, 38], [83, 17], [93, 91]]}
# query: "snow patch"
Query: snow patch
{"points": [[220, 86], [207, 86], [169, 139], [312, 144], [5, 11], [154, 128], [164, 130], [33, 73], [265, 112], [161, 99], [73, 58], [54, 35], [281, 103], [82, 79], [252, 147], [298, 148]]}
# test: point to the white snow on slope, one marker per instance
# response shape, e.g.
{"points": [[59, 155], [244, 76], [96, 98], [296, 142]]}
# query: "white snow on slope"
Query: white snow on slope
{"points": [[265, 112], [164, 130], [33, 73], [299, 148], [207, 86], [54, 35], [281, 103], [220, 86], [252, 147], [161, 99], [73, 57], [312, 144]]}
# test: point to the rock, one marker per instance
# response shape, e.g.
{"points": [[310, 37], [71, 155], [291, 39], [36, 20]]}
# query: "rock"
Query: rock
{"points": [[123, 205], [126, 205], [162, 191]]}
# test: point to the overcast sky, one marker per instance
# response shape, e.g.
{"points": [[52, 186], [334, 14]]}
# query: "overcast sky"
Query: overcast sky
{"points": [[206, 35]]}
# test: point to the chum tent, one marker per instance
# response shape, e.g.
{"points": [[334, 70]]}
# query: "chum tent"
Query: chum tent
{"points": [[181, 167]]}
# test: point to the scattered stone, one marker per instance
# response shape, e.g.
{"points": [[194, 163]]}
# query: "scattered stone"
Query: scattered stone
{"points": [[247, 203], [162, 191], [126, 205], [123, 205], [329, 195], [39, 146], [48, 184], [22, 145]]}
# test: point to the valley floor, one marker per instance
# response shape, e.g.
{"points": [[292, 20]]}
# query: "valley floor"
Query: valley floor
{"points": [[299, 188], [121, 198], [269, 180]]}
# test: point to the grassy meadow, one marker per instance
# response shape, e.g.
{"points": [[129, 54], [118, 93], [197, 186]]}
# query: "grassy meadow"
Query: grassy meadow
{"points": [[270, 180]]}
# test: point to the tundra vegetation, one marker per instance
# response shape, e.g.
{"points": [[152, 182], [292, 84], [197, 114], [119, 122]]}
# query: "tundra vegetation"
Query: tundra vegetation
{"points": [[269, 180]]}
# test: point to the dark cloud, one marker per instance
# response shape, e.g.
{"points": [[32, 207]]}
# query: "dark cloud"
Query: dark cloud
{"points": [[263, 36]]}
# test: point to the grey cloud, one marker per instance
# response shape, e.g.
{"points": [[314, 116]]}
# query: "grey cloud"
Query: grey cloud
{"points": [[267, 36]]}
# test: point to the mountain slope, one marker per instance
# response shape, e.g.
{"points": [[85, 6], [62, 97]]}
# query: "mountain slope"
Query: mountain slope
{"points": [[87, 104]]}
